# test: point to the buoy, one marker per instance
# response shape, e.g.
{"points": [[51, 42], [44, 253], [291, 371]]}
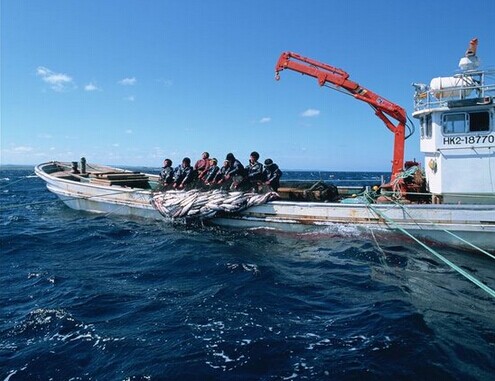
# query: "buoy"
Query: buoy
{"points": [[433, 165]]}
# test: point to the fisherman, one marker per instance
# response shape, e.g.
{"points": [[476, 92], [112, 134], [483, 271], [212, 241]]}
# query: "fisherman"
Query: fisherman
{"points": [[202, 165], [236, 171], [167, 173], [254, 171], [184, 174], [221, 175], [272, 174], [211, 174]]}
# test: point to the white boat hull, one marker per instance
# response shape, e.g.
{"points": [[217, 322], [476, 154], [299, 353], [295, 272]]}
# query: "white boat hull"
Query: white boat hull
{"points": [[443, 223]]}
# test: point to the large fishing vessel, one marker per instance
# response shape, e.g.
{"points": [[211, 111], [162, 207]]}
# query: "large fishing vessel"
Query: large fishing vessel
{"points": [[454, 203]]}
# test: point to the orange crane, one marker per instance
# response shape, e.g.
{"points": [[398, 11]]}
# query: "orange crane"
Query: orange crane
{"points": [[339, 79]]}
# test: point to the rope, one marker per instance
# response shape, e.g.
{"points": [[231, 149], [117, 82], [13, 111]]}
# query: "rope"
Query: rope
{"points": [[468, 243], [468, 276], [15, 182], [403, 207]]}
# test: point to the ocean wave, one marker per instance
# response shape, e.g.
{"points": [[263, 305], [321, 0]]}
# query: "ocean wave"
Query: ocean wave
{"points": [[45, 324]]}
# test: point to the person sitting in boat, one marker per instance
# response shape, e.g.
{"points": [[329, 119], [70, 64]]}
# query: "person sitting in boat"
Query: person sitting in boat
{"points": [[210, 176], [236, 171], [202, 165], [272, 174], [254, 170], [167, 173], [220, 178], [184, 174]]}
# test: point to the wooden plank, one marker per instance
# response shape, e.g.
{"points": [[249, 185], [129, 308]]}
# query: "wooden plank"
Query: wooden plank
{"points": [[135, 183], [120, 176], [129, 176]]}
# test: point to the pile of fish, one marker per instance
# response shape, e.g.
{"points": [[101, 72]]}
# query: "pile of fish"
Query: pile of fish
{"points": [[206, 204]]}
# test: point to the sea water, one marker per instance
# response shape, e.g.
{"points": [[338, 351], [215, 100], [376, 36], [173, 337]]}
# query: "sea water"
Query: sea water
{"points": [[101, 297]]}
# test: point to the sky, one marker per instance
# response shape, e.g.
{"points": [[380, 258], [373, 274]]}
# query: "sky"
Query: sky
{"points": [[132, 82]]}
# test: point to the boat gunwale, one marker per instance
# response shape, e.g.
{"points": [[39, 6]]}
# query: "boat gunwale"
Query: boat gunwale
{"points": [[452, 207]]}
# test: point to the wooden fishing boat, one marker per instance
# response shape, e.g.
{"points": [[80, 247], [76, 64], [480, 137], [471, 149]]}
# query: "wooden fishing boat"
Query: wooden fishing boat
{"points": [[457, 117]]}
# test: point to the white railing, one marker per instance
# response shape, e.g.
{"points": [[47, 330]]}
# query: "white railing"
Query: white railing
{"points": [[476, 87]]}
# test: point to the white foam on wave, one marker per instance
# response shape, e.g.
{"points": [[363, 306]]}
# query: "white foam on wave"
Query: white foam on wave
{"points": [[50, 321], [292, 376], [249, 267], [14, 372]]}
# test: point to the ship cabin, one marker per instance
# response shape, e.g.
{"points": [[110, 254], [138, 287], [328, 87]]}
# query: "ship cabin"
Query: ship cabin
{"points": [[457, 119]]}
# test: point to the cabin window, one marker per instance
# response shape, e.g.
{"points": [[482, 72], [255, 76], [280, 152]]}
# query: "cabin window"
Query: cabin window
{"points": [[459, 123], [454, 123], [426, 126], [479, 121]]}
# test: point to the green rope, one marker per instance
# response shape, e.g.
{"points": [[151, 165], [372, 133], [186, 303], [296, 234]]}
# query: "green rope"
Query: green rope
{"points": [[468, 243], [468, 276], [370, 199], [14, 182], [408, 172]]}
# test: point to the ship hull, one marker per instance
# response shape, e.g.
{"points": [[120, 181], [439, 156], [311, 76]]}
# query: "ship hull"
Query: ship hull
{"points": [[459, 225]]}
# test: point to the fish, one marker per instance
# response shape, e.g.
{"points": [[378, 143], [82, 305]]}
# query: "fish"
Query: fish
{"points": [[213, 207], [230, 200], [202, 205], [228, 207]]}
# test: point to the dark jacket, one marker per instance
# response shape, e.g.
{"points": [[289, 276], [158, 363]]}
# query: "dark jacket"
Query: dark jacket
{"points": [[254, 172], [235, 169], [183, 175], [221, 173], [167, 175], [272, 175], [211, 174]]}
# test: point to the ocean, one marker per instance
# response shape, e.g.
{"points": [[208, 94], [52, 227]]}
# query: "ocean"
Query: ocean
{"points": [[93, 297]]}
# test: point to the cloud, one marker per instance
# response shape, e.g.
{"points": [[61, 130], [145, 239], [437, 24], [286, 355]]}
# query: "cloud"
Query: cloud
{"points": [[265, 119], [17, 150], [166, 82], [115, 144], [128, 81], [57, 81], [92, 86], [128, 131], [310, 112], [22, 149], [130, 98], [44, 136]]}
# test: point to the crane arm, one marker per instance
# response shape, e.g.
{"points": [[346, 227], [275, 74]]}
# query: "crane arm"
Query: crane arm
{"points": [[384, 109]]}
